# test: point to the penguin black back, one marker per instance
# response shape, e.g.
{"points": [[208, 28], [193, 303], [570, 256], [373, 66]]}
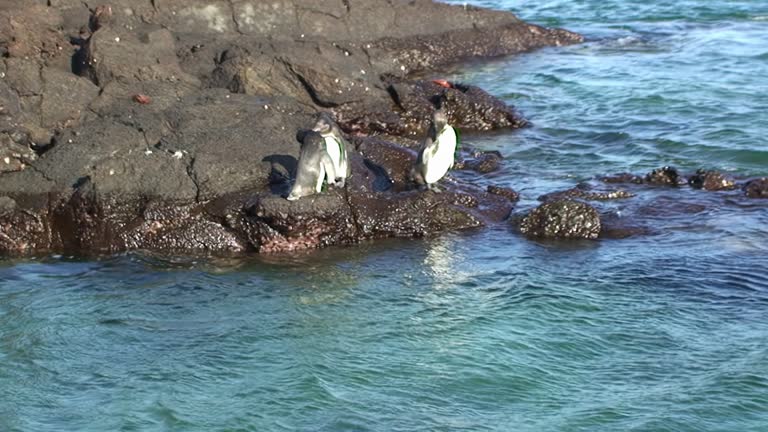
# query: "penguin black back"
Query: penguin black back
{"points": [[314, 166]]}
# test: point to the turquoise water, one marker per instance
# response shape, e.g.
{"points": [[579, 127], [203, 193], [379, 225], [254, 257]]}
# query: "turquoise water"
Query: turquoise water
{"points": [[472, 331]]}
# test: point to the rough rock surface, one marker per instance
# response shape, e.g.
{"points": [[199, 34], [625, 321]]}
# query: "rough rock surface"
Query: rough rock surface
{"points": [[756, 188], [505, 192], [711, 181], [562, 219], [171, 125], [666, 176], [585, 192]]}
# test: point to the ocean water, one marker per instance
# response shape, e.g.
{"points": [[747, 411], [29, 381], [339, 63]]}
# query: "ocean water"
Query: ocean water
{"points": [[470, 331]]}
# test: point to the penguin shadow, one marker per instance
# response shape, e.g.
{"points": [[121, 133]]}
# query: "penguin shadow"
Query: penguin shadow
{"points": [[282, 171], [382, 182], [283, 168]]}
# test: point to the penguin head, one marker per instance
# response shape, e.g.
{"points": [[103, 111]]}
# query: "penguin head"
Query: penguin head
{"points": [[439, 118], [324, 123]]}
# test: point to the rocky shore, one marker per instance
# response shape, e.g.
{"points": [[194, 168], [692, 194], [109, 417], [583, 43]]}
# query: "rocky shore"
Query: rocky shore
{"points": [[170, 125]]}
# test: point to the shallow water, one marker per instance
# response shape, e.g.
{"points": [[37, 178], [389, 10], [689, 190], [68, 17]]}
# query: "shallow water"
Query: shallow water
{"points": [[472, 331]]}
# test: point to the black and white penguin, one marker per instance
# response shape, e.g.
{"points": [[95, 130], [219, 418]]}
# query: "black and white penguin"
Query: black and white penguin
{"points": [[436, 155], [314, 166], [336, 145]]}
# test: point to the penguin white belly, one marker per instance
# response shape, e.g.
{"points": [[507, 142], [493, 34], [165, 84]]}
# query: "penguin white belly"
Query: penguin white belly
{"points": [[439, 161], [333, 147], [320, 178]]}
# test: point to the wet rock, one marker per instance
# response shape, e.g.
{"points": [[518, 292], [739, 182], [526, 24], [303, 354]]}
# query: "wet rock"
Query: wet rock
{"points": [[711, 181], [395, 160], [275, 224], [505, 192], [563, 219], [584, 191], [411, 214], [168, 226], [25, 226], [666, 207], [413, 102], [617, 227], [756, 188], [430, 51], [667, 176], [622, 178], [481, 162]]}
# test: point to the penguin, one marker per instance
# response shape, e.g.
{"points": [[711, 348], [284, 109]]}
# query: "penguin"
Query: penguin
{"points": [[436, 155], [336, 145], [314, 166]]}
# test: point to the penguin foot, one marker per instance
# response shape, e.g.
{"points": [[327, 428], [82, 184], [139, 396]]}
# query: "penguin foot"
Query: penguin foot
{"points": [[340, 182]]}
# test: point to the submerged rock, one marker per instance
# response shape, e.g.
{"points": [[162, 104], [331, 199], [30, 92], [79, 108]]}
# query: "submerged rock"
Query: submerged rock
{"points": [[622, 178]]}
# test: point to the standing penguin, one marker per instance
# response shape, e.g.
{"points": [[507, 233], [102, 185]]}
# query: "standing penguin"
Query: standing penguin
{"points": [[314, 166], [336, 145], [436, 155]]}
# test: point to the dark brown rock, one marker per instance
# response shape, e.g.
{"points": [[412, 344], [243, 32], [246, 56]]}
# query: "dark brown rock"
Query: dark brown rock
{"points": [[584, 191], [622, 178], [711, 181], [667, 176], [480, 162], [756, 188], [564, 219], [505, 192], [434, 50], [413, 102], [395, 160]]}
